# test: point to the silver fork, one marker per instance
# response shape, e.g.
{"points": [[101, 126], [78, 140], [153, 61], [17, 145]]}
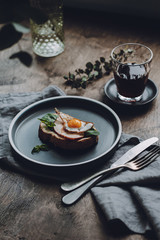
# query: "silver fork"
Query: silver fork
{"points": [[69, 186], [136, 164]]}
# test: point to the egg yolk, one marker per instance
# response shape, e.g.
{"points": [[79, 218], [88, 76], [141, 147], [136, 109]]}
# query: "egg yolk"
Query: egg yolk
{"points": [[74, 123]]}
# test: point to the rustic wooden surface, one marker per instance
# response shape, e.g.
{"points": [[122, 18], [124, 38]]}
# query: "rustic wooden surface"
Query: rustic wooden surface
{"points": [[32, 208]]}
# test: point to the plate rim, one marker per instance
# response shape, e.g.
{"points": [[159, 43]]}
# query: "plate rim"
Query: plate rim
{"points": [[27, 108]]}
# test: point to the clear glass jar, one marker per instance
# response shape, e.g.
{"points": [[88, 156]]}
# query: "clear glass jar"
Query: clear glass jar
{"points": [[46, 24]]}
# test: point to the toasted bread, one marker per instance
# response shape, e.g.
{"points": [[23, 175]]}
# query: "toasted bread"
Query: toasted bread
{"points": [[50, 136]]}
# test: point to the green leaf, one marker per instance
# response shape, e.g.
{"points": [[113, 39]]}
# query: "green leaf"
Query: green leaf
{"points": [[108, 67], [97, 63], [84, 79], [80, 70], [91, 132], [71, 76], [87, 71], [102, 59], [90, 76], [121, 52], [89, 65], [39, 148], [49, 119], [96, 73], [97, 66]]}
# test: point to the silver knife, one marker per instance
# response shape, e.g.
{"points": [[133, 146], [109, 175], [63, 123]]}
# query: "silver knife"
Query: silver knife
{"points": [[133, 152], [129, 155], [73, 196]]}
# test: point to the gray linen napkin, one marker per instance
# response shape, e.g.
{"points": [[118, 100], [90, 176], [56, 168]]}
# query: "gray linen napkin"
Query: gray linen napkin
{"points": [[10, 105], [128, 197], [131, 197]]}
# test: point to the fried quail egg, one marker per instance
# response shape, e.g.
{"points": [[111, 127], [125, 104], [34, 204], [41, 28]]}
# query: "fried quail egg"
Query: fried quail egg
{"points": [[71, 128], [76, 125], [61, 131]]}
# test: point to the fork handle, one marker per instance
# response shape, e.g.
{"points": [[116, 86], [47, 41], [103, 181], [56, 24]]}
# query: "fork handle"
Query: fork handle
{"points": [[69, 186], [76, 194]]}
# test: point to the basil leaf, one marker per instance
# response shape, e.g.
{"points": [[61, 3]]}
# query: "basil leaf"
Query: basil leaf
{"points": [[91, 132], [39, 148], [49, 119]]}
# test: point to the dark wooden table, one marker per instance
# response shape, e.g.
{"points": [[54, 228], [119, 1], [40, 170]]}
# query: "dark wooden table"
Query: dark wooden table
{"points": [[32, 209]]}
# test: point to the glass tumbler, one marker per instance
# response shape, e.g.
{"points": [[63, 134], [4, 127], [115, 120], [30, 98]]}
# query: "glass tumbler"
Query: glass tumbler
{"points": [[46, 23], [131, 67]]}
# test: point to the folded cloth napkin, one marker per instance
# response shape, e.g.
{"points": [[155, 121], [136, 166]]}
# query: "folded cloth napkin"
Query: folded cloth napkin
{"points": [[10, 105], [131, 198]]}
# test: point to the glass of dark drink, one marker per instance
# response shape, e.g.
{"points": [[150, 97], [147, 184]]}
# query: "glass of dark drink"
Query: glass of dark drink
{"points": [[131, 67]]}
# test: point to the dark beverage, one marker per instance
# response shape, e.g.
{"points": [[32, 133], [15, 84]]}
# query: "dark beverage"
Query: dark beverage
{"points": [[131, 80], [131, 67]]}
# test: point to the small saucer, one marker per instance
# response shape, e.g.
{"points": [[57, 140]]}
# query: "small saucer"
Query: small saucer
{"points": [[149, 94]]}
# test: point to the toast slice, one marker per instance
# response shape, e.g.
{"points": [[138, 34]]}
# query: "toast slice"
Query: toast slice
{"points": [[53, 138]]}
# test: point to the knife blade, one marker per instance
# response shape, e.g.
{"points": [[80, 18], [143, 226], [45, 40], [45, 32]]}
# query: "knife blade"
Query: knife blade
{"points": [[133, 152], [129, 155]]}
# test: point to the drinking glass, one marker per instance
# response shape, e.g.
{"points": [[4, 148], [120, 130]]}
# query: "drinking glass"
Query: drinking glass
{"points": [[46, 24], [131, 67]]}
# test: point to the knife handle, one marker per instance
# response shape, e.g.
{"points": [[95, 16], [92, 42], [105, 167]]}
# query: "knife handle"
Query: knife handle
{"points": [[73, 196]]}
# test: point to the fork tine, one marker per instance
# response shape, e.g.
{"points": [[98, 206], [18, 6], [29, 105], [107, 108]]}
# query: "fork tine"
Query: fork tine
{"points": [[147, 161], [149, 154], [146, 158]]}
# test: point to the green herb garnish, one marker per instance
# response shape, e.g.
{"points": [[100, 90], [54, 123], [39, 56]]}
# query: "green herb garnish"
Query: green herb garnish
{"points": [[91, 132], [39, 148], [49, 120]]}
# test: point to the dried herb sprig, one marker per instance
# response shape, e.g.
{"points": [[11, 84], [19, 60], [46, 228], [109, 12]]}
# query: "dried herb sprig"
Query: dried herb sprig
{"points": [[82, 77]]}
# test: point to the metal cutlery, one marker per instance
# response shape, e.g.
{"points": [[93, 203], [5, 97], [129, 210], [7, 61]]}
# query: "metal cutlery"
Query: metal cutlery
{"points": [[136, 164], [129, 155]]}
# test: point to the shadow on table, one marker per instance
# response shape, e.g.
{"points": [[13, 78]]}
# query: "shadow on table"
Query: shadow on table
{"points": [[127, 111]]}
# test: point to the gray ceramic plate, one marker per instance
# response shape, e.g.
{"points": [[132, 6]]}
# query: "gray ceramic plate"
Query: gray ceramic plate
{"points": [[23, 133]]}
